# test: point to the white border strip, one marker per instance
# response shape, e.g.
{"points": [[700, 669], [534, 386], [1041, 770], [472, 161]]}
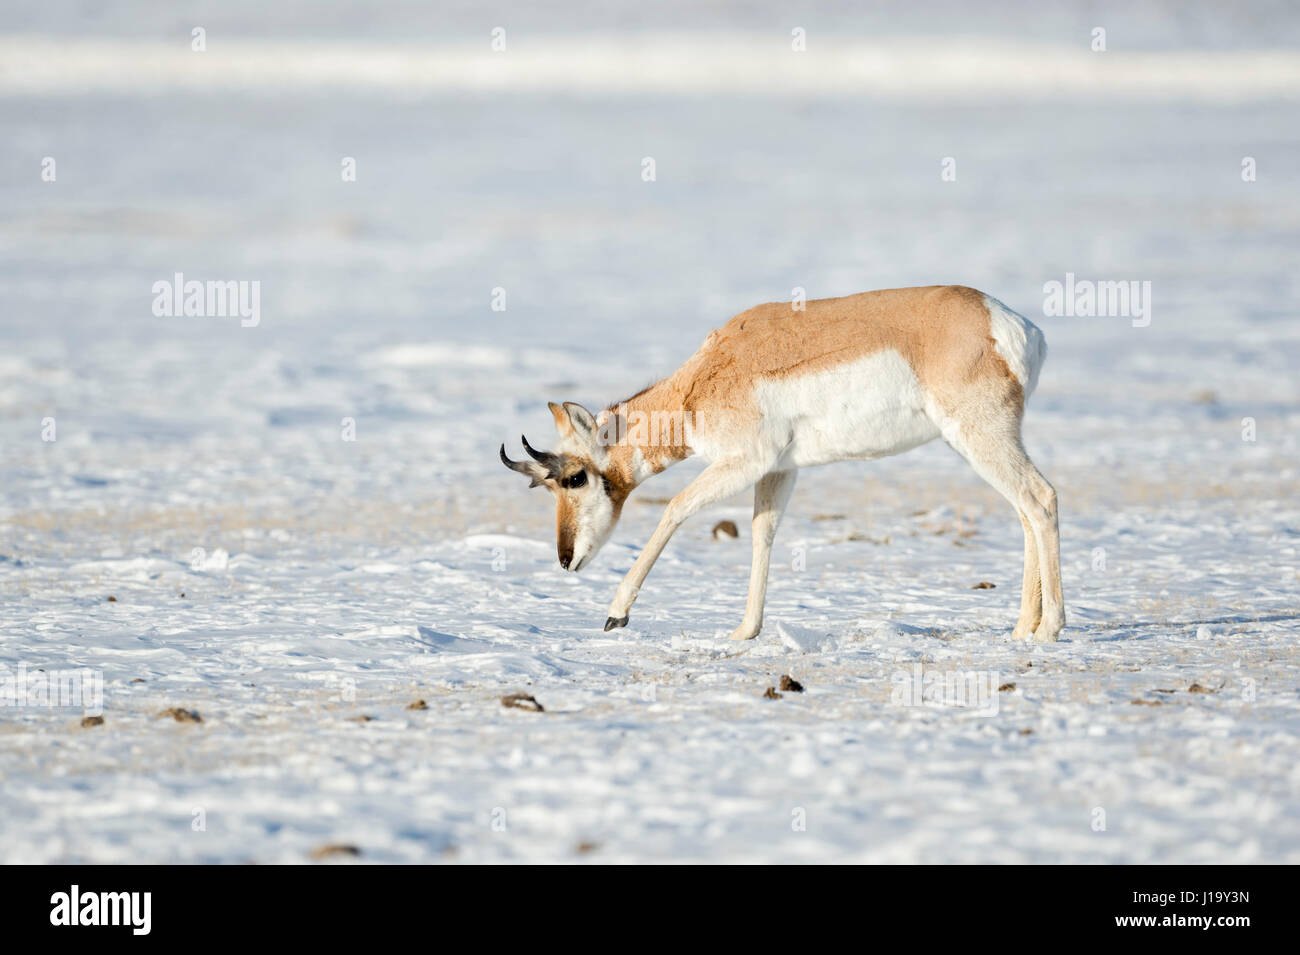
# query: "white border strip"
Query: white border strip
{"points": [[957, 70]]}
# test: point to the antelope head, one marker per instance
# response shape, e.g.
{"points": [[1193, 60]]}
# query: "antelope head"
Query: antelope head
{"points": [[587, 501]]}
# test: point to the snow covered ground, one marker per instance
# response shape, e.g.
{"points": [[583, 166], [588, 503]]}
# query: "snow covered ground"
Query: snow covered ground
{"points": [[201, 535]]}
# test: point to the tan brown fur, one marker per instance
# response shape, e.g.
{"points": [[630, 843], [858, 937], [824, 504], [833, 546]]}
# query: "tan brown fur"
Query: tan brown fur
{"points": [[566, 524], [941, 331]]}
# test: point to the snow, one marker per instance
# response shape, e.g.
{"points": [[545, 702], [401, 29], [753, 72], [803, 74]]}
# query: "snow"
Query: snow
{"points": [[285, 582], [728, 62]]}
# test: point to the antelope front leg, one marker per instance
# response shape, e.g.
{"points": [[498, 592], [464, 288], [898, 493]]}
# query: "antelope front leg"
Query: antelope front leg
{"points": [[717, 482], [771, 495]]}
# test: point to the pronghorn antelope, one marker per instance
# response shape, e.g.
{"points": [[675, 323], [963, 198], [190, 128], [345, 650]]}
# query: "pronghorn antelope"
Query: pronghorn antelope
{"points": [[777, 389]]}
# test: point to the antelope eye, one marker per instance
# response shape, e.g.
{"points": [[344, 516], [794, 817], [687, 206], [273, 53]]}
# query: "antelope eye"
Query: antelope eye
{"points": [[574, 480]]}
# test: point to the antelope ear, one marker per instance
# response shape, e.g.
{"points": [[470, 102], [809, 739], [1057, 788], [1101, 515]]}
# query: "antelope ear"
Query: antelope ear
{"points": [[582, 418], [562, 423], [573, 419]]}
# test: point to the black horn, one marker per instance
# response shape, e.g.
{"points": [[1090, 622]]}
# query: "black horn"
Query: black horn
{"points": [[523, 467], [520, 466], [550, 461]]}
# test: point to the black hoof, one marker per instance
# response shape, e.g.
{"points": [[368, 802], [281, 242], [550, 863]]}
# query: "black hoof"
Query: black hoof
{"points": [[612, 622]]}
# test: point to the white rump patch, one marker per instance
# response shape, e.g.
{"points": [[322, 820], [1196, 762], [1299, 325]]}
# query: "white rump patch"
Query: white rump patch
{"points": [[1018, 341]]}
